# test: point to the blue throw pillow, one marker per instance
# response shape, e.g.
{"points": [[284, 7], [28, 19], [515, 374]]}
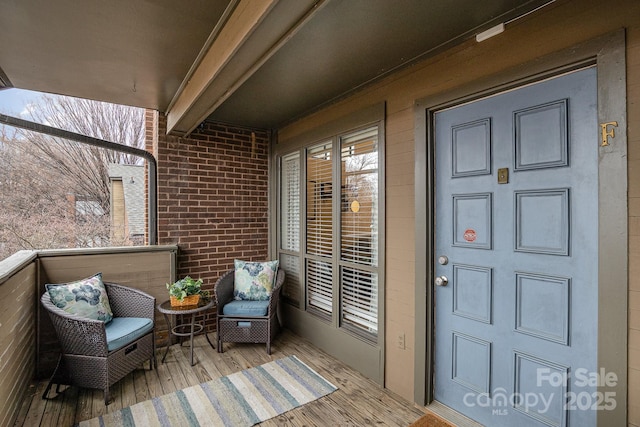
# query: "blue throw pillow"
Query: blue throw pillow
{"points": [[86, 298], [253, 281]]}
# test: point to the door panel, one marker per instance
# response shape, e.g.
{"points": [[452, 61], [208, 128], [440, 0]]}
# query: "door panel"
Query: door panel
{"points": [[518, 315]]}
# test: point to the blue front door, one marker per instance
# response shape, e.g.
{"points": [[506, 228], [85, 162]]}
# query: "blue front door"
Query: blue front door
{"points": [[516, 255]]}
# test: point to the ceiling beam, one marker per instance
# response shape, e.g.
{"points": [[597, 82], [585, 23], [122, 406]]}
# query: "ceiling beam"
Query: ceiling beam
{"points": [[255, 31], [244, 19]]}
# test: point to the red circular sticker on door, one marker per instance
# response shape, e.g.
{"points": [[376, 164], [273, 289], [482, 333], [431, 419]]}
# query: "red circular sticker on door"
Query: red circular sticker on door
{"points": [[469, 235]]}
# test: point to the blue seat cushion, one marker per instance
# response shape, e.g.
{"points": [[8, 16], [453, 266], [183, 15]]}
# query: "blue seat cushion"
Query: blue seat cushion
{"points": [[246, 308], [124, 330]]}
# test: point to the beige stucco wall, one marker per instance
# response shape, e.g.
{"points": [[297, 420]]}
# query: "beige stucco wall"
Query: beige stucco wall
{"points": [[118, 216], [554, 28]]}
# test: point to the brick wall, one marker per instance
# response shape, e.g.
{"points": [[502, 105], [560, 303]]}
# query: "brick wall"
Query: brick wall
{"points": [[212, 195]]}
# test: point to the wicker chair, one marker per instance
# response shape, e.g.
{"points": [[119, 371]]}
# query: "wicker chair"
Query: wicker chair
{"points": [[247, 329], [86, 360]]}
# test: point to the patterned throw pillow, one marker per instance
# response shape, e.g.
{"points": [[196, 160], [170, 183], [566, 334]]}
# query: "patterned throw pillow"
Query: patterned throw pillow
{"points": [[86, 298], [253, 281]]}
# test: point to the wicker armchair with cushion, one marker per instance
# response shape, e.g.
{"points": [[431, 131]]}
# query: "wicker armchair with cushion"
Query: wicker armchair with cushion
{"points": [[244, 315], [105, 331]]}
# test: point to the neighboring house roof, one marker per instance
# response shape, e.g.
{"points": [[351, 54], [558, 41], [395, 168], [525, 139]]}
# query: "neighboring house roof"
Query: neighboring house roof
{"points": [[132, 177]]}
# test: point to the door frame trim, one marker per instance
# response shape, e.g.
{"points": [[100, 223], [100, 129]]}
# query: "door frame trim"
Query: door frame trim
{"points": [[607, 53]]}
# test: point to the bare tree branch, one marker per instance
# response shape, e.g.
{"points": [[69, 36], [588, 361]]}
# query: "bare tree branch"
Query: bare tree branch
{"points": [[42, 178]]}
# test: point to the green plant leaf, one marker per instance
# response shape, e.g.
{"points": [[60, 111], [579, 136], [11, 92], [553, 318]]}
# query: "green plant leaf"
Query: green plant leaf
{"points": [[185, 287]]}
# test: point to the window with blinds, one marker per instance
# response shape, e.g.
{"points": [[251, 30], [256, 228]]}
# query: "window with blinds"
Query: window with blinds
{"points": [[290, 202], [319, 227], [319, 286], [337, 277], [291, 289], [289, 251], [359, 231], [359, 198], [359, 296], [320, 200]]}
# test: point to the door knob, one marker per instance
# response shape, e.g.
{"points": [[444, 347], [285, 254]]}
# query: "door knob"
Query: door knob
{"points": [[441, 281]]}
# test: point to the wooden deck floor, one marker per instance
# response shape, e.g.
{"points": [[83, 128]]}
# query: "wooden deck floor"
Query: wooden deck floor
{"points": [[357, 402]]}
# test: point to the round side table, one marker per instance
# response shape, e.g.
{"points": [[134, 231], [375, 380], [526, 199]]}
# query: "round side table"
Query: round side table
{"points": [[185, 329]]}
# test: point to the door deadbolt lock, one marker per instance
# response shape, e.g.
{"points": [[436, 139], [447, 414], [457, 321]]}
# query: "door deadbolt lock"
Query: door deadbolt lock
{"points": [[443, 260], [441, 281]]}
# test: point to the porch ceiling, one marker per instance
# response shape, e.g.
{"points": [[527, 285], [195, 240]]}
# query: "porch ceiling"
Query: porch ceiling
{"points": [[258, 63]]}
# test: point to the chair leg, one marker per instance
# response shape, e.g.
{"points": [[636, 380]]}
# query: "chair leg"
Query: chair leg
{"points": [[153, 352], [153, 361], [270, 331], [218, 339], [53, 378], [46, 390], [107, 396]]}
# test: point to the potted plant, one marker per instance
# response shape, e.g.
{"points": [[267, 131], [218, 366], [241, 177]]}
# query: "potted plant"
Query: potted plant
{"points": [[186, 292]]}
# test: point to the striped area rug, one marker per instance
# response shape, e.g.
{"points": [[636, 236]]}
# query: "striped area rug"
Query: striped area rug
{"points": [[241, 399]]}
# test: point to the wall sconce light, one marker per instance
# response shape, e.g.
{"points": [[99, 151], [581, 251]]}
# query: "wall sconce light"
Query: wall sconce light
{"points": [[493, 31]]}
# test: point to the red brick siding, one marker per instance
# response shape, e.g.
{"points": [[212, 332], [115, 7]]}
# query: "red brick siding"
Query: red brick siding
{"points": [[212, 195]]}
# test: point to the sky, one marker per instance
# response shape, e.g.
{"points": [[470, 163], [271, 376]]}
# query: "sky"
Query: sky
{"points": [[14, 102]]}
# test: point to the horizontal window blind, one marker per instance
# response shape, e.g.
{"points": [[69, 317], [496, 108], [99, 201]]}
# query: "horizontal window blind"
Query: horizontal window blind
{"points": [[291, 287], [359, 195], [319, 230], [319, 200], [359, 230], [359, 302], [340, 190], [319, 285], [290, 202]]}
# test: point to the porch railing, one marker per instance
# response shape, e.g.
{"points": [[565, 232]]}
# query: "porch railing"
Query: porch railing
{"points": [[28, 346]]}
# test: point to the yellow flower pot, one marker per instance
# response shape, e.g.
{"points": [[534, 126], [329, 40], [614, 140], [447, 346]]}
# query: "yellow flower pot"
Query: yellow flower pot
{"points": [[186, 301]]}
